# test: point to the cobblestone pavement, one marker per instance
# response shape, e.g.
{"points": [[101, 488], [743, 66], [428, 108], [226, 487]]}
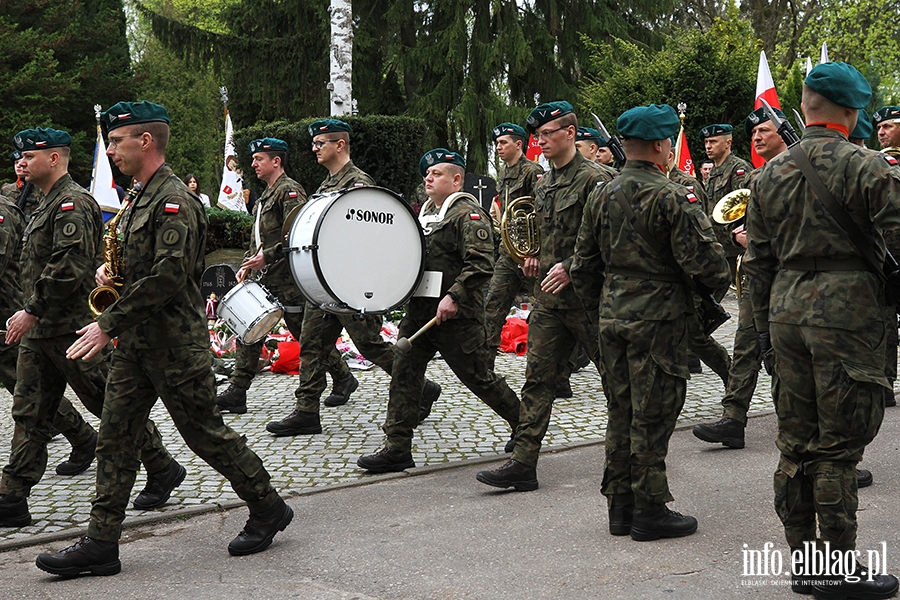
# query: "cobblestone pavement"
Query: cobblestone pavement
{"points": [[460, 427]]}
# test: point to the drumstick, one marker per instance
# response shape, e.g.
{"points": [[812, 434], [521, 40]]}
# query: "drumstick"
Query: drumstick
{"points": [[404, 345]]}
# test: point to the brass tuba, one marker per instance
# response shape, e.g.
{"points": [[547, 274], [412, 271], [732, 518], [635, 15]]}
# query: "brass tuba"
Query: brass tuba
{"points": [[732, 206], [102, 297], [519, 230]]}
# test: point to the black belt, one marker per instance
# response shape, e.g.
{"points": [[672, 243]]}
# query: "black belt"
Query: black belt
{"points": [[669, 277], [825, 264]]}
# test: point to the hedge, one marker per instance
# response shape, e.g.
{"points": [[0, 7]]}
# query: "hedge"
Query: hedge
{"points": [[227, 229]]}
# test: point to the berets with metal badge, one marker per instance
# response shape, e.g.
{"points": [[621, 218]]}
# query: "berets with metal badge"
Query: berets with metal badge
{"points": [[328, 126], [887, 114], [758, 116], [587, 133], [508, 129], [546, 113], [268, 145], [41, 139], [863, 129], [650, 123], [716, 129], [840, 83], [437, 156], [133, 113], [16, 156]]}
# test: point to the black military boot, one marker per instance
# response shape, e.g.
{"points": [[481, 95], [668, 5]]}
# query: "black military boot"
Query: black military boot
{"points": [[14, 511], [863, 478], [511, 473], [430, 393], [341, 390], [620, 518], [79, 459], [654, 523], [233, 400], [387, 460], [836, 587], [260, 529], [160, 486], [511, 444], [563, 388], [86, 557], [296, 423], [729, 432]]}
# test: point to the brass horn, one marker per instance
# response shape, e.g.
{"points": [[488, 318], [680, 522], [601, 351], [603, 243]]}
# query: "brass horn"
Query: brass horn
{"points": [[102, 297], [732, 206], [519, 229], [892, 150]]}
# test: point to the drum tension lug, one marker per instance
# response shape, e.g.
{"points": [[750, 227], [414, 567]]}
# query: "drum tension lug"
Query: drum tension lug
{"points": [[310, 247]]}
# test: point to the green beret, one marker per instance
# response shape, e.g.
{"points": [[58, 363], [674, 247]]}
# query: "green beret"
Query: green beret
{"points": [[268, 145], [715, 130], [546, 113], [508, 129], [586, 133], [758, 116], [133, 113], [439, 155], [863, 129], [328, 126], [41, 139], [887, 113], [840, 83], [15, 157], [650, 123]]}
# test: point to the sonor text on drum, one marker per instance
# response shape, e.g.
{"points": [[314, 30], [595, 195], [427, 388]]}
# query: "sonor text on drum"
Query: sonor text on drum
{"points": [[370, 216]]}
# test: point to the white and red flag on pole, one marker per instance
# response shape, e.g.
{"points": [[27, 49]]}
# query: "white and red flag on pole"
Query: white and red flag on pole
{"points": [[683, 160], [534, 152], [765, 89]]}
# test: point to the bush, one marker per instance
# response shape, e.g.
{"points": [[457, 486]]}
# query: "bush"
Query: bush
{"points": [[387, 148], [227, 229]]}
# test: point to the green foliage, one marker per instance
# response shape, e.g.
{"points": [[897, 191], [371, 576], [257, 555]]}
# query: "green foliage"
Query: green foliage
{"points": [[57, 59], [227, 229], [387, 148], [713, 73]]}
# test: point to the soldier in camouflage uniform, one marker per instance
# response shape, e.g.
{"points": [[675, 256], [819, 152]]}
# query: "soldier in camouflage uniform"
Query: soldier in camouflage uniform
{"points": [[559, 321], [13, 191], [728, 174], [459, 246], [887, 120], [331, 144], [822, 318], [700, 347], [643, 316], [67, 421], [60, 249], [266, 258], [162, 352], [589, 142]]}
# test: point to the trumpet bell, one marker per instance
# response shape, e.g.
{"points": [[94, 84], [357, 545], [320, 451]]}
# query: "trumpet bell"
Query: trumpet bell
{"points": [[732, 206]]}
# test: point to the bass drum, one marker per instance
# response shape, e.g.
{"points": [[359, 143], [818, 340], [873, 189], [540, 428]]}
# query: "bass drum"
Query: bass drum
{"points": [[359, 250]]}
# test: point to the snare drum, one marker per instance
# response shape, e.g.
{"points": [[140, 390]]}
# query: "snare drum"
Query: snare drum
{"points": [[250, 311], [359, 250]]}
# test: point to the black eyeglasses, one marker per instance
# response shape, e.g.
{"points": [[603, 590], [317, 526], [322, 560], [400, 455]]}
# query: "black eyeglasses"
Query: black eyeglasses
{"points": [[319, 144], [115, 141], [537, 135]]}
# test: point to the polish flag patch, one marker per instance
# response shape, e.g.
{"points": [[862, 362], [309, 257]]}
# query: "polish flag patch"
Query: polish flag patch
{"points": [[293, 194], [691, 198], [1, 218], [172, 208], [67, 206], [475, 216], [740, 172], [891, 160]]}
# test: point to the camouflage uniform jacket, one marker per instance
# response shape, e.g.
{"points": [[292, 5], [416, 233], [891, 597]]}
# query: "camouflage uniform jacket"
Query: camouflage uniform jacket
{"points": [[606, 242], [461, 247], [60, 253], [271, 209], [724, 179], [12, 191], [561, 196], [792, 223], [517, 181], [349, 176], [694, 186], [163, 245], [12, 224]]}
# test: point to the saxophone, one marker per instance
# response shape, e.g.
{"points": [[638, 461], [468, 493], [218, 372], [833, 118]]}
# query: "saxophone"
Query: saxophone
{"points": [[102, 297]]}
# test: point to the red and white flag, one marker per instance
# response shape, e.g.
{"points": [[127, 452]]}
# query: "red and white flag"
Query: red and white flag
{"points": [[534, 152], [765, 88], [683, 160]]}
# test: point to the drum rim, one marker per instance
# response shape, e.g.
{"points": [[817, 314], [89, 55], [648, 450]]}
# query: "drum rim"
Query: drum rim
{"points": [[278, 308], [315, 251]]}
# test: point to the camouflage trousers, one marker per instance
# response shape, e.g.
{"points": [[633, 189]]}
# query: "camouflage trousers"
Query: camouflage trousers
{"points": [[320, 330], [552, 333], [42, 374], [507, 281], [246, 357], [644, 373], [462, 345], [707, 349], [182, 377], [67, 420], [745, 365], [828, 389]]}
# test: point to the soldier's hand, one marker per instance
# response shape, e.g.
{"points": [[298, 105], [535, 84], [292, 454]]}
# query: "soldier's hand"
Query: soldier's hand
{"points": [[532, 266], [101, 278], [740, 235], [445, 310], [255, 262], [92, 341], [765, 348], [18, 325], [241, 274], [556, 280]]}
